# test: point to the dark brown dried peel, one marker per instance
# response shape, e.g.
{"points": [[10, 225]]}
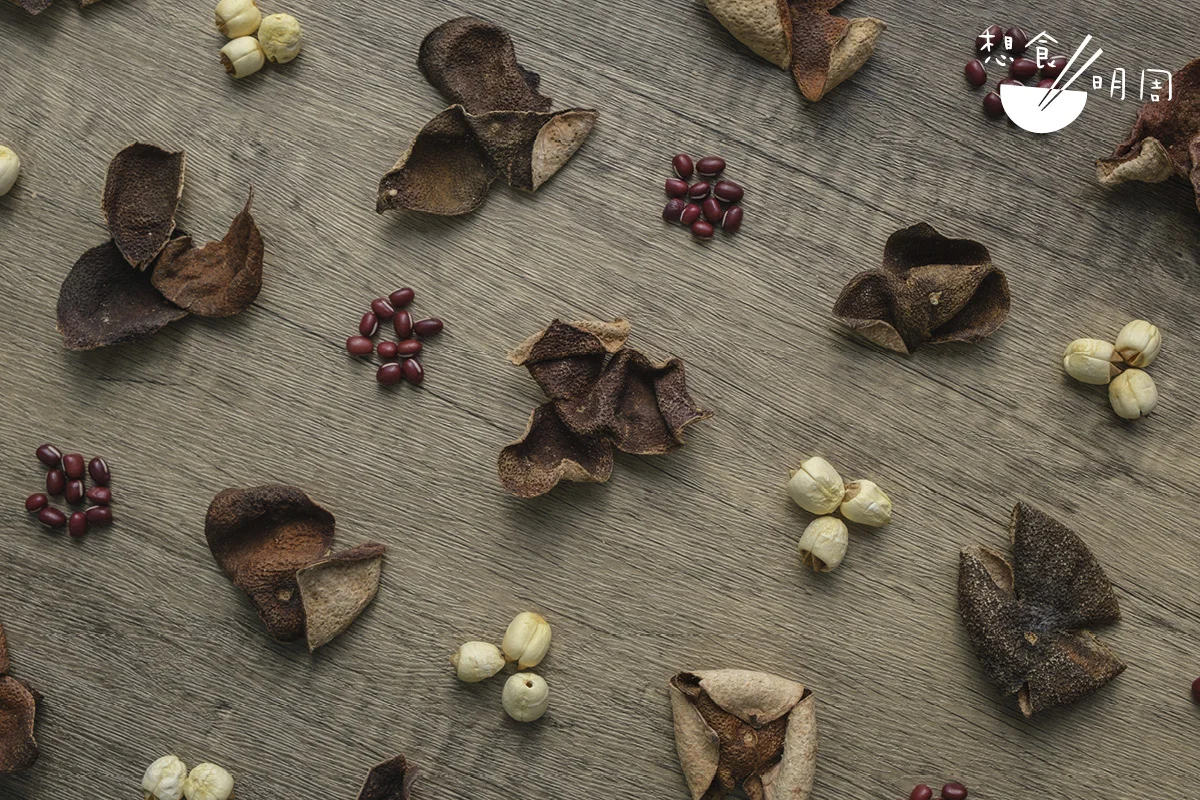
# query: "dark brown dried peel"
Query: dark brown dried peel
{"points": [[566, 358], [217, 280], [1028, 620], [1165, 139], [930, 290], [741, 728], [140, 198], [104, 302], [473, 64], [18, 711], [335, 590], [391, 780], [550, 452]]}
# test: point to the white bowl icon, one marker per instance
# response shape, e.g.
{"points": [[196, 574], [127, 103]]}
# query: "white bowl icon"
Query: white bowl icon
{"points": [[1022, 104]]}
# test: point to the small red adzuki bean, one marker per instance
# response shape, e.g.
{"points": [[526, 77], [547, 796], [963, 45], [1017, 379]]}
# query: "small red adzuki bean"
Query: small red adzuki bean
{"points": [[99, 515], [100, 495], [993, 106], [403, 324], [36, 502], [49, 455], [382, 308], [691, 213], [51, 517], [98, 469], [702, 229], [1008, 82], [1020, 40], [676, 187], [408, 348], [359, 346], [56, 482], [993, 35], [401, 297], [1023, 68], [389, 374], [954, 791], [975, 73], [699, 190], [78, 524], [732, 221], [369, 324], [74, 465], [673, 209], [1045, 83], [74, 492], [414, 373], [683, 166], [1054, 67], [710, 167], [712, 210], [921, 792], [428, 327], [1196, 690], [729, 191], [387, 349]]}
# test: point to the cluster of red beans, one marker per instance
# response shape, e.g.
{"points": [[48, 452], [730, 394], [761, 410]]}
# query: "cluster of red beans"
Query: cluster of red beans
{"points": [[1014, 41], [66, 477], [951, 791], [708, 202], [400, 358]]}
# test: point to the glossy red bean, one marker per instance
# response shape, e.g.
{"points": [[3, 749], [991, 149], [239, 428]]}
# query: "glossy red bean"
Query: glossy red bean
{"points": [[409, 348], [1054, 66], [387, 349], [712, 210], [49, 455], [56, 482], [975, 73], [699, 190], [359, 346], [403, 323], [1045, 83], [729, 191], [74, 492], [732, 221], [710, 167], [702, 229], [683, 166], [676, 187], [954, 791], [993, 34], [1008, 82], [993, 106], [74, 465], [51, 517], [414, 373], [401, 297], [98, 469], [428, 327], [78, 524], [921, 792], [369, 324], [36, 502], [1023, 68], [382, 308], [1015, 42], [100, 495], [673, 209], [691, 213], [99, 515], [389, 374], [1196, 690]]}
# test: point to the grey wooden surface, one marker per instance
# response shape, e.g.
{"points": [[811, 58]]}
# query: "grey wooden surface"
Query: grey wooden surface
{"points": [[143, 647]]}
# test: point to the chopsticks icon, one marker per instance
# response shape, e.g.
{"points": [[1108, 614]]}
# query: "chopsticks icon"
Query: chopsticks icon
{"points": [[1047, 99]]}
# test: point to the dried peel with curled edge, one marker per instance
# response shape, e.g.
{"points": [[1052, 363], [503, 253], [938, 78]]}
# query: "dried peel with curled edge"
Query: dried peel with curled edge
{"points": [[550, 452], [499, 126], [219, 279], [820, 49], [274, 541], [740, 728], [1028, 620], [141, 196], [1165, 139], [104, 302], [18, 711], [930, 290], [390, 780]]}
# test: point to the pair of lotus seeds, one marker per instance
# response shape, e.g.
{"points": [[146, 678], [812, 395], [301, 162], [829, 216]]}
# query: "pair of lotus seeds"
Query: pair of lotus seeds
{"points": [[1131, 392], [818, 488], [168, 779], [278, 37], [526, 695]]}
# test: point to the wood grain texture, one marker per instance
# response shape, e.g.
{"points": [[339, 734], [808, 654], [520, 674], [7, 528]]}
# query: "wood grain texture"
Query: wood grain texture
{"points": [[143, 647]]}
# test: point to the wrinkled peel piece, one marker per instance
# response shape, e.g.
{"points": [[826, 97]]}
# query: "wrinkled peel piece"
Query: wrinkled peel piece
{"points": [[18, 710], [141, 196], [550, 452], [335, 590], [566, 358], [391, 780], [473, 64], [762, 25]]}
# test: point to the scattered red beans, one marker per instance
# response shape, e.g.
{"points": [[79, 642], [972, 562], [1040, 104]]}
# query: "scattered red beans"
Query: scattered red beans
{"points": [[729, 191], [676, 187], [710, 167], [51, 517], [702, 229], [712, 210], [710, 202], [359, 346], [1054, 67], [98, 469], [1196, 690], [387, 349], [993, 106], [409, 348], [49, 455], [369, 324], [1015, 42], [921, 792], [674, 208], [1045, 83], [36, 502], [100, 495], [403, 323], [56, 482], [78, 524], [382, 308], [954, 791], [428, 327], [691, 213], [732, 221], [993, 35], [389, 374], [1023, 68], [74, 492], [975, 73], [699, 190], [683, 166], [401, 297], [73, 465], [414, 373], [99, 515]]}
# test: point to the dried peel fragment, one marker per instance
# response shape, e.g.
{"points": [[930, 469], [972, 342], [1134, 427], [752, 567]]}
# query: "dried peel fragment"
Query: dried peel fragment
{"points": [[931, 289], [1028, 621], [566, 358], [18, 711], [103, 301], [820, 49], [335, 590], [141, 195], [390, 780], [473, 64], [218, 280], [741, 728], [550, 452], [1165, 139]]}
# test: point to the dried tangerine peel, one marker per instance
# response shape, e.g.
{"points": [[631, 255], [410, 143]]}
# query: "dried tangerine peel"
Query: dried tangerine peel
{"points": [[104, 302], [33, 6], [473, 64], [217, 280], [445, 171], [141, 196], [335, 590], [1027, 621], [550, 452], [931, 289], [741, 728], [566, 358], [390, 780], [18, 711]]}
